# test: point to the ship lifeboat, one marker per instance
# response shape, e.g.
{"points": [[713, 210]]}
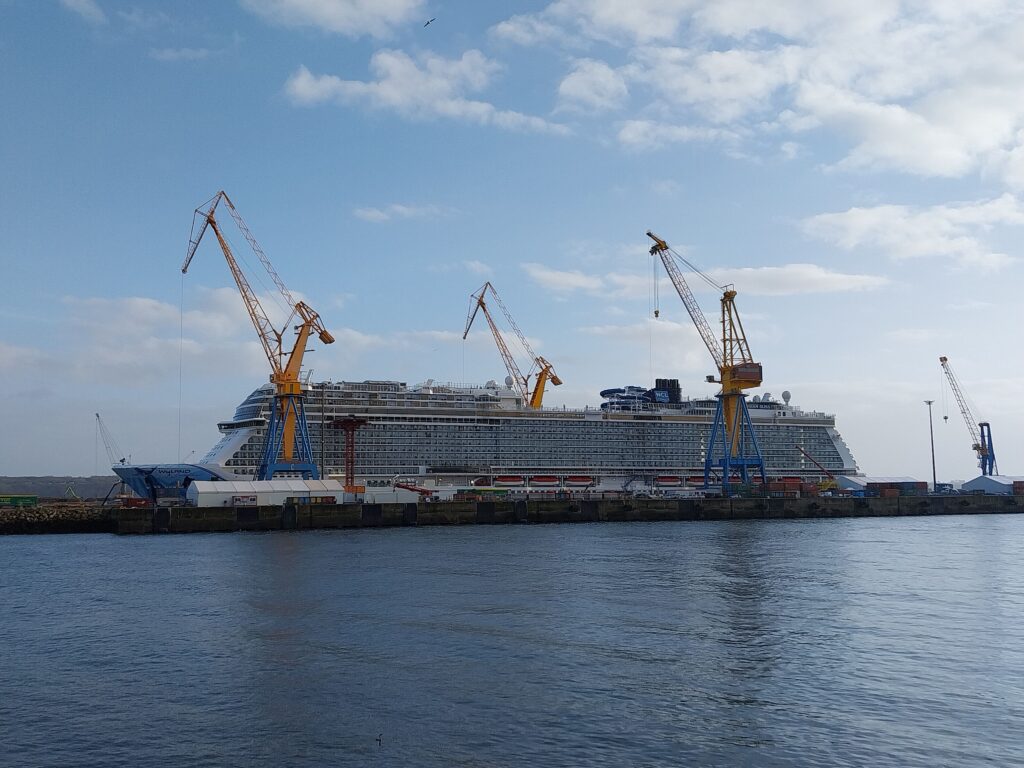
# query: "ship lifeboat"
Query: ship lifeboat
{"points": [[543, 480], [668, 480], [579, 480], [509, 480]]}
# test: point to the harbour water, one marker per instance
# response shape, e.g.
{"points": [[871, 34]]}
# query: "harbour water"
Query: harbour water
{"points": [[881, 641]]}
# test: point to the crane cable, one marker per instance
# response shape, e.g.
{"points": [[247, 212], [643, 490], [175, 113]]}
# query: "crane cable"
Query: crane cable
{"points": [[943, 389], [652, 298], [181, 355]]}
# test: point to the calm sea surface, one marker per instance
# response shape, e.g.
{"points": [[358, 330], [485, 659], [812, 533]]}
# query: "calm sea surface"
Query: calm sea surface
{"points": [[805, 643]]}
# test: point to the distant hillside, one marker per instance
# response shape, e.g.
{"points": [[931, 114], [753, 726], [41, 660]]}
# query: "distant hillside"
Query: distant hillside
{"points": [[94, 487]]}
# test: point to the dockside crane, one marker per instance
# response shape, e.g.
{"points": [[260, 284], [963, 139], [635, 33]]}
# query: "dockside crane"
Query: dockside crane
{"points": [[541, 368], [114, 452], [286, 445], [981, 431], [827, 485], [732, 444]]}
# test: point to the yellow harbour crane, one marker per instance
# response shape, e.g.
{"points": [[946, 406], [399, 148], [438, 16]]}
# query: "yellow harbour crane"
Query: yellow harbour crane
{"points": [[737, 371], [544, 371], [286, 446]]}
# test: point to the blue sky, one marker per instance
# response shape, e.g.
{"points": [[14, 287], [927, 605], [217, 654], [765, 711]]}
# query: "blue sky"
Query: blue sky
{"points": [[855, 171]]}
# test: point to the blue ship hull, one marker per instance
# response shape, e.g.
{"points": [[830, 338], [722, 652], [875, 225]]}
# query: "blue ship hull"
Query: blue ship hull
{"points": [[161, 481]]}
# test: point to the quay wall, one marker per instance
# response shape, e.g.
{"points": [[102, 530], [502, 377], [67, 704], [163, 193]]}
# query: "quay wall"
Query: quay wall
{"points": [[193, 519], [83, 519]]}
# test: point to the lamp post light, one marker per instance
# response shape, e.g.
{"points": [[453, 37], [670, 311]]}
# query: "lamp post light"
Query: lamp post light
{"points": [[931, 434]]}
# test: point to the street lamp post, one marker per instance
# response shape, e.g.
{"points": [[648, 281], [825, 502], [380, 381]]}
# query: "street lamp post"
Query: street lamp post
{"points": [[931, 434]]}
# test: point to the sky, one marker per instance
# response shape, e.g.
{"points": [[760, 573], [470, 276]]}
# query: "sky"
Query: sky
{"points": [[854, 169]]}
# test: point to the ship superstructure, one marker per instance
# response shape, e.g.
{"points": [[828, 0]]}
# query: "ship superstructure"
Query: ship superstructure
{"points": [[465, 434]]}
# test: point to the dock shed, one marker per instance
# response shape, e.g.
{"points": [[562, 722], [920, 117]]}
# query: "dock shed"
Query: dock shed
{"points": [[265, 493], [997, 485], [885, 487]]}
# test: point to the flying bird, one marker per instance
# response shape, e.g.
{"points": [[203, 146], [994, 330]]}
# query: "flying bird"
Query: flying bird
{"points": [[430, 22]]}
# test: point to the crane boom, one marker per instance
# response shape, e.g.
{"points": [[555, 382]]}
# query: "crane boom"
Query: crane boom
{"points": [[519, 382], [832, 482], [114, 452], [269, 337], [286, 433], [661, 249], [981, 432], [737, 371], [545, 372]]}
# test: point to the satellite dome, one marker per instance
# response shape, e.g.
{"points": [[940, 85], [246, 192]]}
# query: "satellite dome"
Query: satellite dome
{"points": [[786, 396], [757, 398], [508, 382]]}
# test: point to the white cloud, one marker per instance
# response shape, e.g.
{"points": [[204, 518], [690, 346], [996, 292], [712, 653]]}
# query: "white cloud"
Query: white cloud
{"points": [[400, 211], [352, 18], [178, 54], [667, 187], [953, 231], [592, 86], [646, 134], [785, 280], [791, 279], [428, 88], [526, 30], [929, 89], [562, 281], [139, 20], [722, 86], [639, 21], [911, 335], [18, 358], [87, 9], [668, 345], [470, 265]]}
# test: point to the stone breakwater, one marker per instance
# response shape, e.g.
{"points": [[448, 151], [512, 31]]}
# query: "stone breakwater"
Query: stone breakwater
{"points": [[82, 519], [57, 518]]}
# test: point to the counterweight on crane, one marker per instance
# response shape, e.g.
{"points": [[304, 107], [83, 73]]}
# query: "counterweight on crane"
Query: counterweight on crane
{"points": [[981, 431], [737, 371], [286, 446], [542, 368]]}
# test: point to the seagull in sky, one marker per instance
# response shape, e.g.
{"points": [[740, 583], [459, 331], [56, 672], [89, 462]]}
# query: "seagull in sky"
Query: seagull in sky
{"points": [[429, 22]]}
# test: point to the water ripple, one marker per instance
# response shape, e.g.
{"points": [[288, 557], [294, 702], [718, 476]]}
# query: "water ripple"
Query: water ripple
{"points": [[761, 643]]}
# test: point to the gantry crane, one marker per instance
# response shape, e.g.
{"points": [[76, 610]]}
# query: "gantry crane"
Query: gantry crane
{"points": [[981, 431], [542, 368], [737, 372], [286, 446]]}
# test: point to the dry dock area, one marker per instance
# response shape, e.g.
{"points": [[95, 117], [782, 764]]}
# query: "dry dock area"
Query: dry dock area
{"points": [[79, 519]]}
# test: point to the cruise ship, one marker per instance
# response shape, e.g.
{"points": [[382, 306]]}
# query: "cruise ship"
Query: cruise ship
{"points": [[485, 435]]}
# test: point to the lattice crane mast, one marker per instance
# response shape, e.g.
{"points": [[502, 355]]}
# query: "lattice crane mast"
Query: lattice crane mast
{"points": [[542, 368], [286, 446], [114, 452], [737, 371], [981, 431]]}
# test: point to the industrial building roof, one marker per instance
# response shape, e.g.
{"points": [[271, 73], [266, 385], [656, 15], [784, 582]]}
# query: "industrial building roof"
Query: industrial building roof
{"points": [[242, 487], [863, 480], [999, 479]]}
